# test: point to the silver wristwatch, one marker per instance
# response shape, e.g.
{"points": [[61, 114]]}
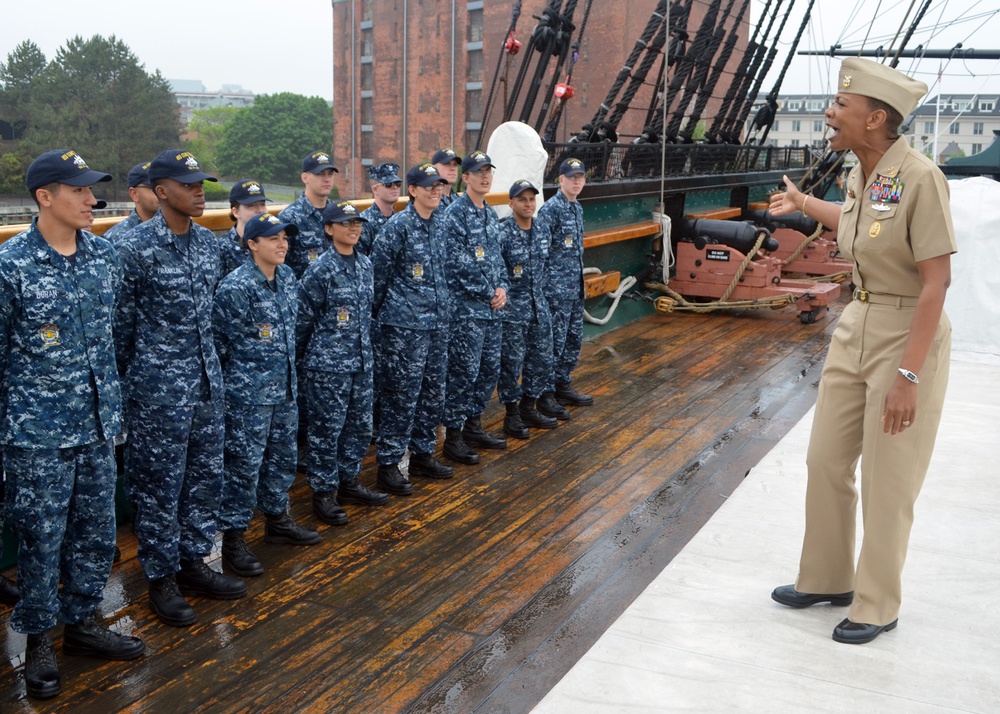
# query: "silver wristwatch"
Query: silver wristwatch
{"points": [[909, 375]]}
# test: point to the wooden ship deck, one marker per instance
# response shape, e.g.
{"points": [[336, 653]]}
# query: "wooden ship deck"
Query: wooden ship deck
{"points": [[476, 594]]}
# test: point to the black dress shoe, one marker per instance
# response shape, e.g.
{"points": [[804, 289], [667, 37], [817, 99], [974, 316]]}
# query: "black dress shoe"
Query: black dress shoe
{"points": [[392, 480], [237, 556], [41, 673], [512, 424], [362, 495], [9, 592], [327, 509], [283, 530], [476, 436], [90, 638], [427, 466], [456, 449], [565, 394], [548, 406], [196, 578], [858, 633], [788, 595], [168, 603], [530, 416]]}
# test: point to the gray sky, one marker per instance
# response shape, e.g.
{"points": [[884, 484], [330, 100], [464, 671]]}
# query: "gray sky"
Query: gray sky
{"points": [[292, 39]]}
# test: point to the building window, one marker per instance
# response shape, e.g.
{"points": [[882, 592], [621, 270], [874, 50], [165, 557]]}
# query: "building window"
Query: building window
{"points": [[475, 65], [367, 111], [817, 143], [367, 43], [774, 127], [795, 143], [474, 105], [794, 106], [977, 128], [928, 127], [818, 125], [815, 105], [796, 125], [475, 33], [367, 145], [987, 106], [977, 148], [963, 106], [954, 128], [367, 76]]}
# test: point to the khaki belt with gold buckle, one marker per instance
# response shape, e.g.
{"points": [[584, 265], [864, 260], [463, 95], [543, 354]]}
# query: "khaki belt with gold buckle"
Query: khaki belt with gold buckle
{"points": [[897, 301]]}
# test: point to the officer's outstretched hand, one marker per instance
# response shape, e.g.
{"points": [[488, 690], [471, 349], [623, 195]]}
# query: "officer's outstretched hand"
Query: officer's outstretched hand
{"points": [[787, 201]]}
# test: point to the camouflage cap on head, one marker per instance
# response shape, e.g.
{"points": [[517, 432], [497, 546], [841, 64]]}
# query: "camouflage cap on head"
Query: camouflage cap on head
{"points": [[384, 173], [879, 81]]}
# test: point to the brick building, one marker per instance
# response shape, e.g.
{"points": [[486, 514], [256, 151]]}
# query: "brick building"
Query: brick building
{"points": [[411, 76]]}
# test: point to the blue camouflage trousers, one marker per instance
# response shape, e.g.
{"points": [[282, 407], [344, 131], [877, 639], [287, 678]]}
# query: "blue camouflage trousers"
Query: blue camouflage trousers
{"points": [[473, 368], [567, 339], [414, 369], [173, 475], [261, 454], [61, 507], [340, 426], [526, 354]]}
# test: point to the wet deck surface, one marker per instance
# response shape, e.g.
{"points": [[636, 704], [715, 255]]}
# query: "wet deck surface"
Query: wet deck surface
{"points": [[479, 593]]}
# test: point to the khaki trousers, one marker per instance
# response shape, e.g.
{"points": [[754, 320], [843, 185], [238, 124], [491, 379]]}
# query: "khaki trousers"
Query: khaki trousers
{"points": [[861, 366]]}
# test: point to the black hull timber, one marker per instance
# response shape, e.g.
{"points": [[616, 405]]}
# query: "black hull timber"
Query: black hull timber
{"points": [[479, 593]]}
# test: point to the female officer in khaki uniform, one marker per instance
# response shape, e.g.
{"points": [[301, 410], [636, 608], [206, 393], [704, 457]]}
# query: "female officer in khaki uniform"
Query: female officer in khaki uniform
{"points": [[884, 380]]}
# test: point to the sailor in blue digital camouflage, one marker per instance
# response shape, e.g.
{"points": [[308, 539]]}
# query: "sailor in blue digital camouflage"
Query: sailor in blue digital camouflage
{"points": [[246, 200], [143, 198], [411, 305], [386, 185], [306, 212], [174, 394], [335, 351], [447, 162], [477, 278], [253, 322], [60, 409], [563, 216], [527, 321]]}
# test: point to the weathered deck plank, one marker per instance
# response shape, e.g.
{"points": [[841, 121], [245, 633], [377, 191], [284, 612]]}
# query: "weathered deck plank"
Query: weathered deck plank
{"points": [[477, 594]]}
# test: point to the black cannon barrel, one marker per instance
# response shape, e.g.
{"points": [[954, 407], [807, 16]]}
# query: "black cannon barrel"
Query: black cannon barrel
{"points": [[741, 235], [797, 221]]}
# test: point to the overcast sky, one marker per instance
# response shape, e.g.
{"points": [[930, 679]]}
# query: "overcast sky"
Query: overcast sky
{"points": [[286, 45]]}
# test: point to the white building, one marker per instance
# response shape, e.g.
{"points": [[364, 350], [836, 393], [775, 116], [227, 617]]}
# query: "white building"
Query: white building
{"points": [[190, 95]]}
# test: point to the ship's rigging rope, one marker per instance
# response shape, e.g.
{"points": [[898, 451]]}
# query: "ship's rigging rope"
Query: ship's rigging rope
{"points": [[504, 56]]}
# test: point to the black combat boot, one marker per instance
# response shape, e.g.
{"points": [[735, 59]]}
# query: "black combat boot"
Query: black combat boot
{"points": [[361, 495], [427, 466], [327, 509], [283, 530], [41, 672], [512, 424], [539, 417], [237, 556], [456, 449], [196, 578], [476, 436], [392, 480], [90, 637], [565, 394], [168, 603]]}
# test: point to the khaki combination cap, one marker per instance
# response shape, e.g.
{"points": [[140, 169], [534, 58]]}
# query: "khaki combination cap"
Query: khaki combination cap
{"points": [[879, 81]]}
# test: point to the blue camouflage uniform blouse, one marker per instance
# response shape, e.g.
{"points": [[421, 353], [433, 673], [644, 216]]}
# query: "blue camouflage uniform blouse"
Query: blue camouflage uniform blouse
{"points": [[119, 230], [335, 314], [411, 289], [374, 220], [254, 329], [564, 219], [526, 254], [60, 384], [311, 241], [163, 328], [232, 251], [474, 266]]}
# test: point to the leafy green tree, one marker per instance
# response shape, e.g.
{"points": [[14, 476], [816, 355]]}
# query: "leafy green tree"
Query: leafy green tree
{"points": [[24, 64], [97, 98], [13, 166], [204, 133], [267, 141]]}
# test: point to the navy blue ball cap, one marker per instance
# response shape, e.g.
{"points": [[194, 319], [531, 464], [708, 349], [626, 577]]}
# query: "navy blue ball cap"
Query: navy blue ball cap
{"points": [[62, 166], [179, 165], [520, 186], [247, 191], [101, 203], [423, 175], [341, 212], [475, 161], [445, 156], [267, 225], [317, 161], [384, 173], [572, 167], [138, 175]]}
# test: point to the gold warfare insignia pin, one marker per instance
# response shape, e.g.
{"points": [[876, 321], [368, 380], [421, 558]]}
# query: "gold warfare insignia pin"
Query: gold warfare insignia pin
{"points": [[846, 81], [875, 229]]}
